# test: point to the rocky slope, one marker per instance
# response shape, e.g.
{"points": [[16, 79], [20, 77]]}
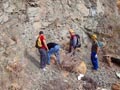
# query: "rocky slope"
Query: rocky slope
{"points": [[20, 23]]}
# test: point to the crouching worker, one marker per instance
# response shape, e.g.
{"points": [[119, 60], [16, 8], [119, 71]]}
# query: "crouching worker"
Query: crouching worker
{"points": [[53, 49], [94, 52]]}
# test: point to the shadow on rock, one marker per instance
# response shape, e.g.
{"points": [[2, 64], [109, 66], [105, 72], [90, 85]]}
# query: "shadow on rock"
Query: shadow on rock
{"points": [[31, 58]]}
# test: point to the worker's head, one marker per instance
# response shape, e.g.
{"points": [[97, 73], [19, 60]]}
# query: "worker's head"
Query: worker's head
{"points": [[94, 37], [71, 31], [41, 32]]}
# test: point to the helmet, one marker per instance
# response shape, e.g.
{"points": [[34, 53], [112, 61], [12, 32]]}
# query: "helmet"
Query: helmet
{"points": [[71, 30], [94, 36]]}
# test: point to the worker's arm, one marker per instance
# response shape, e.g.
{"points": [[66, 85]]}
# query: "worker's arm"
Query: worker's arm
{"points": [[97, 50], [97, 47], [44, 41]]}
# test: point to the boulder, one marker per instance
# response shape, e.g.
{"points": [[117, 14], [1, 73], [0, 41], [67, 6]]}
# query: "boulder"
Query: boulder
{"points": [[80, 68], [108, 60], [72, 65], [116, 86], [67, 64]]}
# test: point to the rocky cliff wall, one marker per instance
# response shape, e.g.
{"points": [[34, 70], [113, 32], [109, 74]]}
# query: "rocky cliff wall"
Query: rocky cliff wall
{"points": [[25, 18]]}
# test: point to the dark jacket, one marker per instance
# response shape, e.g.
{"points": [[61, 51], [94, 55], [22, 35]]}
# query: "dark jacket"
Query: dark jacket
{"points": [[51, 45]]}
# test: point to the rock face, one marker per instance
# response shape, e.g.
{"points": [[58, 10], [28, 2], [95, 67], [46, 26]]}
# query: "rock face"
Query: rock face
{"points": [[73, 65], [21, 21], [116, 86], [81, 68], [55, 18]]}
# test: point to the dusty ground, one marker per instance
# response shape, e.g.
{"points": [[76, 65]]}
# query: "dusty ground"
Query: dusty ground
{"points": [[56, 79]]}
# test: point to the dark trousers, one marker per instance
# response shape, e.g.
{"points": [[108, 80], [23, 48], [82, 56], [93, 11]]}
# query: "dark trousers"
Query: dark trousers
{"points": [[43, 57], [94, 60], [72, 45]]}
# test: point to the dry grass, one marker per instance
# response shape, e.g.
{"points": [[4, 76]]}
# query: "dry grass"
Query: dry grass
{"points": [[12, 77]]}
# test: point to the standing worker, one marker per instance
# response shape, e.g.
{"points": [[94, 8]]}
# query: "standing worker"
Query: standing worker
{"points": [[42, 47], [73, 41], [94, 52]]}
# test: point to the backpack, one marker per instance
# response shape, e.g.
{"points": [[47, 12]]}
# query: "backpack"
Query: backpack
{"points": [[38, 43], [78, 44]]}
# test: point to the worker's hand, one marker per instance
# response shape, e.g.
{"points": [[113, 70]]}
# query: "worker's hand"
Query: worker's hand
{"points": [[47, 50], [96, 56]]}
